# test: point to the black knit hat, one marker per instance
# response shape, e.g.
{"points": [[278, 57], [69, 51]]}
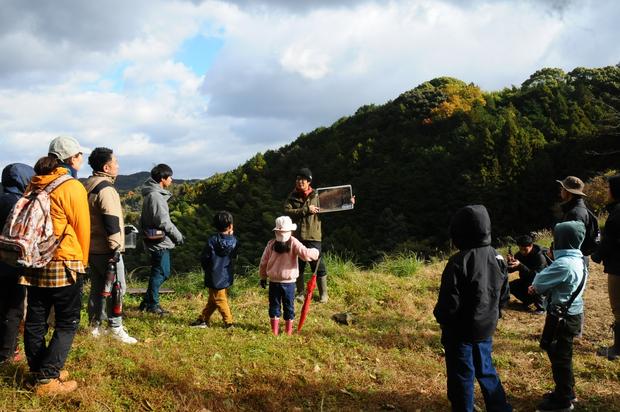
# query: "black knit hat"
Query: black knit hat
{"points": [[305, 172], [614, 186], [524, 240]]}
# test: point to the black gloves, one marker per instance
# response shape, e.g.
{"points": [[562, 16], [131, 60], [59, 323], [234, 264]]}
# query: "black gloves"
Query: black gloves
{"points": [[263, 283]]}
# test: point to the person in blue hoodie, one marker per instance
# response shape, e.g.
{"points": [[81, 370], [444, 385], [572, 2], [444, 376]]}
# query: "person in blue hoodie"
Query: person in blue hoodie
{"points": [[217, 262], [558, 282], [474, 287], [15, 179]]}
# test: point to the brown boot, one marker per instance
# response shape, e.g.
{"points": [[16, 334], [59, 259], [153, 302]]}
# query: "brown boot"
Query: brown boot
{"points": [[51, 387], [612, 352]]}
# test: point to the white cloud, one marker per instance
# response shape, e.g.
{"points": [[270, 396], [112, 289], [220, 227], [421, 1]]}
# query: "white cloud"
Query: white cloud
{"points": [[109, 76]]}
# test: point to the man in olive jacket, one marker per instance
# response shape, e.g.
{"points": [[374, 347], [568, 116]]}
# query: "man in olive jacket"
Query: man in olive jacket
{"points": [[474, 285], [302, 206], [156, 216], [107, 242]]}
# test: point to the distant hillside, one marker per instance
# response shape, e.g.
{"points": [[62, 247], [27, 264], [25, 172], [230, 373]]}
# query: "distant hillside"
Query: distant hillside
{"points": [[133, 181], [415, 160]]}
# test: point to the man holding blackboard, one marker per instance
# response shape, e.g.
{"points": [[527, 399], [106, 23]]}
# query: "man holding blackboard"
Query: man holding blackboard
{"points": [[302, 206]]}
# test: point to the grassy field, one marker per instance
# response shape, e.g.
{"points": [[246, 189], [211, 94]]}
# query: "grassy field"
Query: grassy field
{"points": [[389, 359]]}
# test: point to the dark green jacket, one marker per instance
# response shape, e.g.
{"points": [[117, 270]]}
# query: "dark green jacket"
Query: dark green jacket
{"points": [[308, 224]]}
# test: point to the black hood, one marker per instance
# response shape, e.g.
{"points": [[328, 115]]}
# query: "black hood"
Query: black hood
{"points": [[15, 177], [471, 227]]}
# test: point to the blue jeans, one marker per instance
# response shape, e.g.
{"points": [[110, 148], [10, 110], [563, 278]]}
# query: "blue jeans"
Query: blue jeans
{"points": [[160, 271], [466, 360], [282, 294]]}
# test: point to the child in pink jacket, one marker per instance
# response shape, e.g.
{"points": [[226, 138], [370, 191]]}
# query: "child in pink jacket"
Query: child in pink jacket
{"points": [[279, 265]]}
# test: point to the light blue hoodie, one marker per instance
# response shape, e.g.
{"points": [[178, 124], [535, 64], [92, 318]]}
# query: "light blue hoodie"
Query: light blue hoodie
{"points": [[560, 279]]}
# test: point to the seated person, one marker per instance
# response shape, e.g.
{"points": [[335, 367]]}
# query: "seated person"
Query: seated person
{"points": [[529, 260]]}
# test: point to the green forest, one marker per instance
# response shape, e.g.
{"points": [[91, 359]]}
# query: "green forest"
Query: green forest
{"points": [[416, 159]]}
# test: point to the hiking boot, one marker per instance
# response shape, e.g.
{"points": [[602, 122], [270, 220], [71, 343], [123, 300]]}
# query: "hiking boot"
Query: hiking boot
{"points": [[52, 387], [552, 404], [199, 323], [142, 306], [229, 326], [157, 310], [322, 284], [548, 395], [612, 352], [119, 333], [300, 298], [63, 376]]}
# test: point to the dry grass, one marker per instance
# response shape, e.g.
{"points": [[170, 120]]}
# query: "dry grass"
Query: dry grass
{"points": [[389, 359]]}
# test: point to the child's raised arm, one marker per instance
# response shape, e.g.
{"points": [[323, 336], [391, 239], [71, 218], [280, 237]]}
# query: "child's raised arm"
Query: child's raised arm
{"points": [[304, 253]]}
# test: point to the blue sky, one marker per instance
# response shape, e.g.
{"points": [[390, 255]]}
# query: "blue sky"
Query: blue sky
{"points": [[204, 85], [199, 52]]}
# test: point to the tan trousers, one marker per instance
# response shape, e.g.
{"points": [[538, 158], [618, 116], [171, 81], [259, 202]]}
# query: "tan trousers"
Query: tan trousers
{"points": [[218, 299], [613, 287]]}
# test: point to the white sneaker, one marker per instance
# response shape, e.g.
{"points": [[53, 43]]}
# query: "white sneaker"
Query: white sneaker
{"points": [[97, 331], [119, 333]]}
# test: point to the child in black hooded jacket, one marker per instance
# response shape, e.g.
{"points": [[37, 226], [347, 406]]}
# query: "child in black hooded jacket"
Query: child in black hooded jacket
{"points": [[474, 285]]}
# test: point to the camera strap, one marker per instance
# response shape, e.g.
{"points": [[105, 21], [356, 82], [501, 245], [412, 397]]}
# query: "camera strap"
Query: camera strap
{"points": [[565, 306]]}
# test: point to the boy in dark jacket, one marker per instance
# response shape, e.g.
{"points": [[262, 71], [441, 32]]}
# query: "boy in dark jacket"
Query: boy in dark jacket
{"points": [[609, 254], [15, 179], [217, 263], [474, 285]]}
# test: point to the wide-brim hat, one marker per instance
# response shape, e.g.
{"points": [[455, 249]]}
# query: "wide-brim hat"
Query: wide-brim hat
{"points": [[285, 224], [63, 147], [573, 185]]}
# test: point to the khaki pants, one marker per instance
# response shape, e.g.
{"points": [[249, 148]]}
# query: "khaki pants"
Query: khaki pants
{"points": [[218, 299], [613, 287]]}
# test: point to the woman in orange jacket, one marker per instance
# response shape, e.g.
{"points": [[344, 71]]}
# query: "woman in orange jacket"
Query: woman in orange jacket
{"points": [[59, 283]]}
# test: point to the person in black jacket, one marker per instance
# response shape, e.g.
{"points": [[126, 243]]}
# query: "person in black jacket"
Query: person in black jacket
{"points": [[474, 286], [609, 254], [15, 179], [529, 260], [574, 207]]}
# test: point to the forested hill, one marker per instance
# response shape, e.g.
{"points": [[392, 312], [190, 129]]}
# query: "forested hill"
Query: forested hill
{"points": [[414, 160]]}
